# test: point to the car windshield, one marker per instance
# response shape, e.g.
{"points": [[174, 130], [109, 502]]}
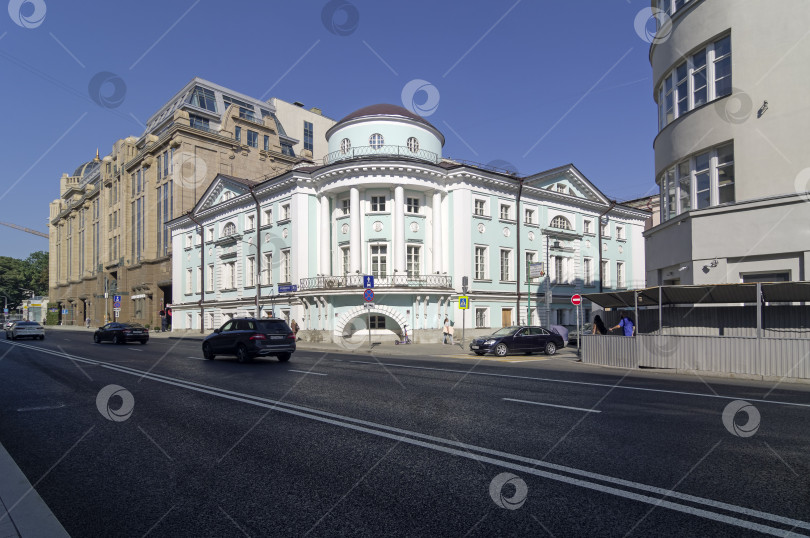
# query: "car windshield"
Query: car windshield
{"points": [[506, 331], [132, 325], [273, 326], [27, 324]]}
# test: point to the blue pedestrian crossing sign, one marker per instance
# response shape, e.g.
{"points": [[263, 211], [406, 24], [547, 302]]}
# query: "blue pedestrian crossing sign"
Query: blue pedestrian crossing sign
{"points": [[463, 303], [368, 295], [368, 281]]}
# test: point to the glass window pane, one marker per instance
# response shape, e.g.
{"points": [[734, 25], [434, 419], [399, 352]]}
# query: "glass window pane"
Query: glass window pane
{"points": [[685, 182], [702, 180]]}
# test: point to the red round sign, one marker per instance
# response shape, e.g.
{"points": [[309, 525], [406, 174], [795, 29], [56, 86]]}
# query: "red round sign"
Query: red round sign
{"points": [[576, 299]]}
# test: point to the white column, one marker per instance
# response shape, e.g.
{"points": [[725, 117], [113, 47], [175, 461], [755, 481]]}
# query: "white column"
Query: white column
{"points": [[437, 232], [399, 230], [354, 223], [416, 306], [426, 323], [325, 237]]}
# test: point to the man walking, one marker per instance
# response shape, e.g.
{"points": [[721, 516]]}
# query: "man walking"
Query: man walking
{"points": [[627, 325]]}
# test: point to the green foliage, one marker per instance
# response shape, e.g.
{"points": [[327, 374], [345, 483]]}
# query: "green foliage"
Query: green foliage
{"points": [[17, 275], [51, 318]]}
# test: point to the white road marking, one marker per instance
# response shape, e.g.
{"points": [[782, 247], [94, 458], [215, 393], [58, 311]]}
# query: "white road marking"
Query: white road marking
{"points": [[195, 358], [40, 408], [552, 405], [133, 348], [439, 444], [587, 383], [303, 372]]}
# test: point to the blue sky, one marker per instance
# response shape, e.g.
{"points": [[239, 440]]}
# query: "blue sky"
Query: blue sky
{"points": [[534, 83]]}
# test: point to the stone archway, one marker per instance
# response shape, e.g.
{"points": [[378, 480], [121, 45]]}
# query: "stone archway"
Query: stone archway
{"points": [[346, 317]]}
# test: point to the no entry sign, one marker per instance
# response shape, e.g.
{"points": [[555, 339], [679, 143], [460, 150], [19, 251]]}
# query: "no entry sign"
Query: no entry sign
{"points": [[576, 299]]}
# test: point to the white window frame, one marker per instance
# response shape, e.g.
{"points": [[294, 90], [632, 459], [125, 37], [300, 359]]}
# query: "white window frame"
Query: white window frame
{"points": [[620, 231], [508, 215], [286, 212], [510, 267], [371, 261], [529, 214], [481, 319], [250, 222], [484, 206], [198, 280], [209, 235], [587, 271], [267, 270], [587, 225], [412, 205], [250, 271], [605, 230], [267, 216], [416, 270], [345, 259], [484, 275], [375, 201], [189, 280], [621, 277], [671, 180], [606, 273], [188, 241], [345, 206], [229, 275], [209, 278], [286, 265], [561, 219]]}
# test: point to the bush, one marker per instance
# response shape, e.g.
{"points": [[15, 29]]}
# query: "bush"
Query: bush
{"points": [[52, 318]]}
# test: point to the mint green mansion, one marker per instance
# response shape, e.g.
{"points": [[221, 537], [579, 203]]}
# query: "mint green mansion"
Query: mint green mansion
{"points": [[385, 203]]}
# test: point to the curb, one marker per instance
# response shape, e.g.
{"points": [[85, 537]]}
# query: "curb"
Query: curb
{"points": [[27, 512]]}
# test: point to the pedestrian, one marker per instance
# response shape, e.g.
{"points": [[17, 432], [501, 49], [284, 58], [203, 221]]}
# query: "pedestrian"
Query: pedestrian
{"points": [[446, 331], [294, 327], [450, 333], [87, 322], [164, 321], [626, 324], [599, 325]]}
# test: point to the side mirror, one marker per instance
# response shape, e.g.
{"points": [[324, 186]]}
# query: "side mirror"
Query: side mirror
{"points": [[216, 331]]}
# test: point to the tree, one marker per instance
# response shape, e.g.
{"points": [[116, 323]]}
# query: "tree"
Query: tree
{"points": [[17, 275]]}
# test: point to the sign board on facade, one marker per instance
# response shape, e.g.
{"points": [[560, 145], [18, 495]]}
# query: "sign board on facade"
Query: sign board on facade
{"points": [[536, 270], [368, 281], [289, 288], [117, 298], [368, 295], [116, 304], [576, 299], [463, 303], [368, 305], [64, 312]]}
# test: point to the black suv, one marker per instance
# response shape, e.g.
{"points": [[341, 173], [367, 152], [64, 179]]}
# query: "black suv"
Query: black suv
{"points": [[249, 337]]}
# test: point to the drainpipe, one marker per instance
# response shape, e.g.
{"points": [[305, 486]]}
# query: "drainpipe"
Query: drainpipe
{"points": [[258, 264], [518, 262], [202, 271], [599, 227]]}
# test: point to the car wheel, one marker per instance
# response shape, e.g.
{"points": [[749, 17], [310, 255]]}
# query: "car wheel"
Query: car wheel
{"points": [[97, 338], [551, 348], [207, 353], [501, 350], [242, 354], [284, 357], [117, 340]]}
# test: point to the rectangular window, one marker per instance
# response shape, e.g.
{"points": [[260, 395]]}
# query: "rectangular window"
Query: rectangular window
{"points": [[267, 267], [252, 139], [587, 269], [237, 133], [557, 267], [198, 280], [505, 212], [379, 260], [209, 278], [481, 318], [266, 143], [682, 88], [480, 263], [377, 322], [285, 212], [684, 184], [267, 216], [250, 271], [479, 207], [286, 266], [229, 277], [344, 206], [605, 273], [587, 226], [209, 235], [188, 281], [669, 100], [722, 67], [378, 203], [198, 122], [620, 275], [506, 266], [250, 222], [413, 261], [529, 216], [531, 257], [165, 164], [703, 182], [619, 232], [725, 174], [309, 136], [605, 229], [344, 259], [412, 205], [699, 88], [188, 241], [203, 98]]}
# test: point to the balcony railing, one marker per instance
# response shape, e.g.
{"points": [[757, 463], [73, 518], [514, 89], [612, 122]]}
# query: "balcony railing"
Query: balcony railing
{"points": [[356, 281], [371, 152], [251, 118]]}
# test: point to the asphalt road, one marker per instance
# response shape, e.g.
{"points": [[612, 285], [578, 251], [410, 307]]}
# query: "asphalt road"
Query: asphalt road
{"points": [[333, 444]]}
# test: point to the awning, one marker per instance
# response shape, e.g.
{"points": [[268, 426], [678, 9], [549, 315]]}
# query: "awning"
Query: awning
{"points": [[772, 292]]}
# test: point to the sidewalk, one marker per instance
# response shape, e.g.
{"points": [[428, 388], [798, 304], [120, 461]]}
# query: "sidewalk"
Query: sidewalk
{"points": [[23, 513]]}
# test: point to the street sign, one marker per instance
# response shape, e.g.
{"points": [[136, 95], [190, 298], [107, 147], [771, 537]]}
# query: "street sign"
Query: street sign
{"points": [[576, 299], [288, 288], [368, 305], [116, 298], [368, 295], [5, 311], [536, 270], [117, 313], [463, 303], [64, 312], [117, 304], [368, 281]]}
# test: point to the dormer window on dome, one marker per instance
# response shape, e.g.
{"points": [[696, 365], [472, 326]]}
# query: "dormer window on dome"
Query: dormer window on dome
{"points": [[345, 146], [413, 144]]}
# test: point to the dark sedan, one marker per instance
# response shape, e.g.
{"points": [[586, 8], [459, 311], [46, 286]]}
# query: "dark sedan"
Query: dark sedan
{"points": [[518, 339], [121, 333], [249, 337]]}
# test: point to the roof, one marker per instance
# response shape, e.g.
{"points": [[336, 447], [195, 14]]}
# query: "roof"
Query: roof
{"points": [[85, 169], [383, 109], [241, 180], [772, 292]]}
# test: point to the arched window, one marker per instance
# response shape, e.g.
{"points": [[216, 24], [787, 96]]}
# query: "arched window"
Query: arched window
{"points": [[376, 141], [229, 229], [345, 145], [561, 223], [413, 144]]}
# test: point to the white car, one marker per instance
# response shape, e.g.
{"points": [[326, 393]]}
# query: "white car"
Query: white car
{"points": [[29, 329]]}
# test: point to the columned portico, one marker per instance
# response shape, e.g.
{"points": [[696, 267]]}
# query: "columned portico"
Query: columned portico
{"points": [[354, 220], [399, 230]]}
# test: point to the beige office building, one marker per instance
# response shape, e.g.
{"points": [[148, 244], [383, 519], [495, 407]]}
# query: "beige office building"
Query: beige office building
{"points": [[108, 228]]}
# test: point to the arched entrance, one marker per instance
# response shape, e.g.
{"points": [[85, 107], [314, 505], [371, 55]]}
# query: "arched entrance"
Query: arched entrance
{"points": [[353, 324]]}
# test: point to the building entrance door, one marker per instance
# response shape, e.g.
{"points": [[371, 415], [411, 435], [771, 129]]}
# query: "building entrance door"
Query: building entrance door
{"points": [[506, 317]]}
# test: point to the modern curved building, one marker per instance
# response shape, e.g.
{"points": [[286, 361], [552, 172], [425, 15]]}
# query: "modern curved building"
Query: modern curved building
{"points": [[385, 203], [731, 156]]}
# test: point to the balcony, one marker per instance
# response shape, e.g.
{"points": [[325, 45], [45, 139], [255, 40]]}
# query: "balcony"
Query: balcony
{"points": [[371, 152], [247, 116], [356, 282]]}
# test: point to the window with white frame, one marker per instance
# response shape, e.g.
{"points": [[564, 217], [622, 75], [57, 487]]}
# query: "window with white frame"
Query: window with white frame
{"points": [[286, 266], [671, 6], [285, 212], [379, 260], [377, 322], [528, 216], [267, 269], [587, 271], [229, 229], [376, 141], [620, 283], [506, 265], [250, 222], [481, 262], [250, 271], [605, 226], [702, 181], [189, 278], [531, 257], [560, 222], [480, 207], [198, 280], [481, 318], [413, 259], [587, 226], [345, 146], [188, 241], [229, 275], [620, 232], [703, 77], [505, 212], [267, 216], [345, 204], [378, 203], [345, 259], [412, 205], [189, 320], [558, 269], [209, 278], [413, 144], [606, 273]]}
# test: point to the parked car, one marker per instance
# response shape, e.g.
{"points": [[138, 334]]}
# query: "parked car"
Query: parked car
{"points": [[121, 333], [518, 339], [573, 336], [249, 337], [25, 329]]}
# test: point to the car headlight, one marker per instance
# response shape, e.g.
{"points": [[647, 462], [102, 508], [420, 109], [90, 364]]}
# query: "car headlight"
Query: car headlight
{"points": [[489, 342]]}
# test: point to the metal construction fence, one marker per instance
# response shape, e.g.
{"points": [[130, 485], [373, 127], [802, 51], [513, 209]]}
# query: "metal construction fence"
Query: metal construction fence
{"points": [[773, 357]]}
